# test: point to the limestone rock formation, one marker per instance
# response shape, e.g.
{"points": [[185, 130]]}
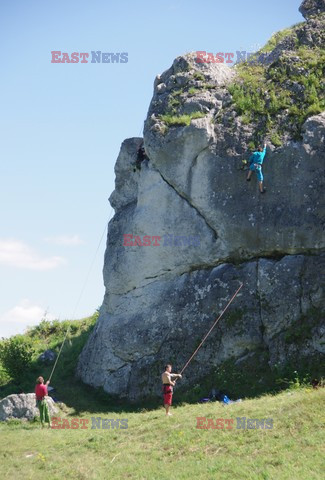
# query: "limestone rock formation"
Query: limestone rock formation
{"points": [[47, 357], [23, 406], [215, 230], [310, 8]]}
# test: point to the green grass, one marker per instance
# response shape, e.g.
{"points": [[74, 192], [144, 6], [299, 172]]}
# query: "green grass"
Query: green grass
{"points": [[199, 76], [209, 86], [263, 92], [177, 92], [173, 103], [246, 119], [172, 115], [156, 447], [49, 335], [180, 120], [192, 91], [278, 37], [276, 140]]}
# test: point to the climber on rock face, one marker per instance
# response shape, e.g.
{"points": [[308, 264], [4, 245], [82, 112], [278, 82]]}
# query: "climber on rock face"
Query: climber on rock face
{"points": [[168, 384], [141, 155], [256, 161]]}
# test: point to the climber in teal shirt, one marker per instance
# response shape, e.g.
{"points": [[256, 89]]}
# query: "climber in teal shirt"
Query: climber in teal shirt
{"points": [[256, 161]]}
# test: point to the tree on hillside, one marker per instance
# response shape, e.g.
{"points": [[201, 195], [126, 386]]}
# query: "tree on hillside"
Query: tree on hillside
{"points": [[16, 355]]}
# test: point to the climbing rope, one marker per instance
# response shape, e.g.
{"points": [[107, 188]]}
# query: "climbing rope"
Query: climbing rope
{"points": [[57, 358], [83, 289], [81, 293], [141, 131], [214, 324]]}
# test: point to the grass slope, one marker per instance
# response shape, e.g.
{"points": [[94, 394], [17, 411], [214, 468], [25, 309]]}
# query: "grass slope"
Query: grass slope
{"points": [[49, 335], [153, 446], [156, 447]]}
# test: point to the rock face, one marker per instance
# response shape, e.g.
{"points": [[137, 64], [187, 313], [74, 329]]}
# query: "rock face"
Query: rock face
{"points": [[47, 357], [215, 230], [23, 406], [310, 8]]}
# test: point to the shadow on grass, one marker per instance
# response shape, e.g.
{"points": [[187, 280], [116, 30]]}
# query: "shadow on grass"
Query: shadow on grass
{"points": [[253, 377]]}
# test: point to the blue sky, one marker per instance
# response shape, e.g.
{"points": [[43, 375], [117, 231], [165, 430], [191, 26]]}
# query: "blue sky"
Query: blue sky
{"points": [[61, 126]]}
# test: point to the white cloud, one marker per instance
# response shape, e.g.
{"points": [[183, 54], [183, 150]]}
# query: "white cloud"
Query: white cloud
{"points": [[23, 315], [66, 240], [17, 254]]}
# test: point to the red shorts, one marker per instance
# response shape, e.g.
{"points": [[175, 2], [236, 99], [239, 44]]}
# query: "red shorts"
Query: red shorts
{"points": [[168, 398]]}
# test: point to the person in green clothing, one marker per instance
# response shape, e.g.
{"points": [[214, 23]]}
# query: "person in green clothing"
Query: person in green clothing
{"points": [[256, 161], [41, 392]]}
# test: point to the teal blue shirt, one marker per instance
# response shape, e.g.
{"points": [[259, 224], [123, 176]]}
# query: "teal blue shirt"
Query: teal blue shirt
{"points": [[258, 157]]}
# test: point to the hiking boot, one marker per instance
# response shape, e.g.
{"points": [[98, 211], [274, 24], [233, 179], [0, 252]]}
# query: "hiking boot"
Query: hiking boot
{"points": [[263, 191], [248, 179]]}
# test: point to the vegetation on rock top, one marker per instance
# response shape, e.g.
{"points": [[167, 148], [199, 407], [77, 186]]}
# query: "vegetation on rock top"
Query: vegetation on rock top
{"points": [[278, 98]]}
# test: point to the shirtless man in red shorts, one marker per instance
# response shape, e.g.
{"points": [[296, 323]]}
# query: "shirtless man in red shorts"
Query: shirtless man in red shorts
{"points": [[168, 383]]}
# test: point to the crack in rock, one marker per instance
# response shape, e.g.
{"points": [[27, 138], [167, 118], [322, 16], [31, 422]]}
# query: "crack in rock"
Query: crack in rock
{"points": [[184, 197], [262, 329]]}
